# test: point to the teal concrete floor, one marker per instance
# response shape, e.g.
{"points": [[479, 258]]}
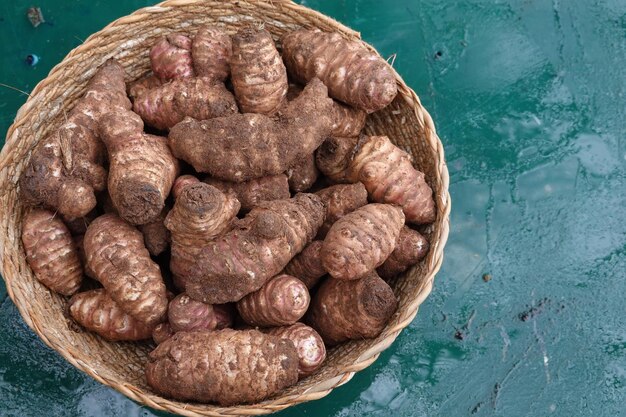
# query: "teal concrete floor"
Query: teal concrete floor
{"points": [[529, 99]]}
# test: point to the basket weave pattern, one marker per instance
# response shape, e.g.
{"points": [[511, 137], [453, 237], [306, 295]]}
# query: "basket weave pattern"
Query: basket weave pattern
{"points": [[121, 365]]}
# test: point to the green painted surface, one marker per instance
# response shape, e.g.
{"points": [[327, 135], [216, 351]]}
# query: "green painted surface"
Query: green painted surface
{"points": [[528, 97]]}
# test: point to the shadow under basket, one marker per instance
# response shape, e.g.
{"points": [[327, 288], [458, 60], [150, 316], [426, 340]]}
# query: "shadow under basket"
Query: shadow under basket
{"points": [[121, 365]]}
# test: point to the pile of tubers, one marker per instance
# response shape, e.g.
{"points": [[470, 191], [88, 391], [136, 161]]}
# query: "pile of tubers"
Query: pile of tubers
{"points": [[228, 207]]}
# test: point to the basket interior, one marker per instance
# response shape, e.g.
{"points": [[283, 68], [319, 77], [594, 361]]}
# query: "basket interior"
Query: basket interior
{"points": [[121, 365]]}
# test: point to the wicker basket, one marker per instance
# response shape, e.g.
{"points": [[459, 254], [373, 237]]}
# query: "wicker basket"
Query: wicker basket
{"points": [[121, 365]]}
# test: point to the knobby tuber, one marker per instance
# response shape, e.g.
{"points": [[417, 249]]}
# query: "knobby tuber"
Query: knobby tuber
{"points": [[185, 314], [242, 260], [282, 300], [96, 311], [155, 235], [353, 74], [65, 169], [200, 98], [211, 51], [258, 74], [200, 214], [170, 57], [307, 265], [181, 183], [251, 193], [245, 146], [308, 343], [303, 174], [142, 168], [139, 87], [347, 121], [361, 241], [410, 248], [340, 200], [121, 263], [51, 252], [387, 173], [226, 366], [343, 310], [334, 156]]}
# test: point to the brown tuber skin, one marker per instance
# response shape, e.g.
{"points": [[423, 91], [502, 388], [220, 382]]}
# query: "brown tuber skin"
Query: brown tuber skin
{"points": [[387, 173], [162, 332], [199, 98], [303, 174], [121, 263], [309, 344], [182, 182], [340, 200], [227, 366], [348, 121], [142, 169], [361, 241], [155, 235], [185, 314], [65, 169], [282, 300], [170, 57], [353, 74], [258, 74], [246, 146], [78, 225], [211, 51], [307, 265], [410, 248], [334, 156], [251, 193], [139, 87], [261, 245], [200, 214], [51, 253], [344, 310], [96, 311]]}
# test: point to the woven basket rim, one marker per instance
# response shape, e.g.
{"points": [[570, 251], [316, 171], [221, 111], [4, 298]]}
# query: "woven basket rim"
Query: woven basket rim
{"points": [[438, 242]]}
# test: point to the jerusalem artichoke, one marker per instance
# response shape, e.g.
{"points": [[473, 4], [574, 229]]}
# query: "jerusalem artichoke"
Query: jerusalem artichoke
{"points": [[96, 311], [251, 193], [307, 265], [170, 57], [352, 73], [142, 168], [245, 146], [155, 235], [182, 182], [309, 344], [65, 169], [51, 252], [121, 263], [258, 74], [282, 300], [139, 87], [343, 310], [242, 260], [200, 214], [227, 366], [340, 200], [410, 248], [211, 51], [387, 173], [185, 314], [361, 241], [334, 156], [200, 98], [303, 174]]}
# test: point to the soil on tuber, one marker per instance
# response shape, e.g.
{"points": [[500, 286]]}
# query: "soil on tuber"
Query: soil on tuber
{"points": [[340, 200], [307, 265], [359, 309], [410, 248], [251, 193], [308, 343], [211, 51], [51, 252], [227, 366]]}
